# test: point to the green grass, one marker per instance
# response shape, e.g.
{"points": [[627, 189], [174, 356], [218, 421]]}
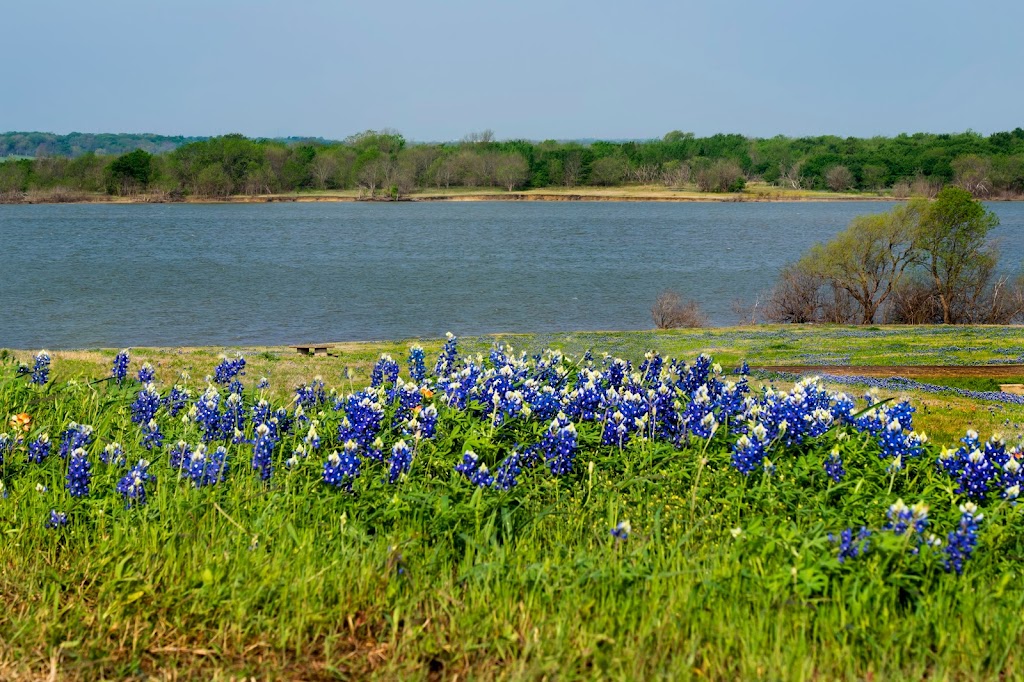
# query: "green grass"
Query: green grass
{"points": [[433, 578]]}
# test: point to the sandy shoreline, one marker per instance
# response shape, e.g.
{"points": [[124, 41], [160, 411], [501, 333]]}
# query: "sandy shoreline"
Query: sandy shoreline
{"points": [[756, 194], [678, 197]]}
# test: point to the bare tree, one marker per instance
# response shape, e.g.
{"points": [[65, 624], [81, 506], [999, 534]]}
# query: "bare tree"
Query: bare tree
{"points": [[670, 312], [923, 186], [914, 302], [572, 169], [444, 171], [790, 176], [323, 166], [675, 174], [373, 173], [608, 170], [471, 169], [720, 175], [511, 170], [747, 313], [644, 173], [839, 178], [973, 173], [796, 297]]}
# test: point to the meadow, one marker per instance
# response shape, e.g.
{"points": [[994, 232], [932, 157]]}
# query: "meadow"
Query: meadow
{"points": [[572, 506]]}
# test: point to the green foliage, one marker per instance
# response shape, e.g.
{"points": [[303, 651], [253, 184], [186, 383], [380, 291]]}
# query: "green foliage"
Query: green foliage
{"points": [[992, 165], [952, 238], [130, 172], [723, 576]]}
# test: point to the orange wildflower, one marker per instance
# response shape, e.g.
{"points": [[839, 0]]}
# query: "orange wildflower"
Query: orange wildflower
{"points": [[21, 421]]}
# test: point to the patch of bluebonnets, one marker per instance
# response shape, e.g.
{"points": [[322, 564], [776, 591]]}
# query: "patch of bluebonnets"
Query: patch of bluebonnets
{"points": [[383, 428]]}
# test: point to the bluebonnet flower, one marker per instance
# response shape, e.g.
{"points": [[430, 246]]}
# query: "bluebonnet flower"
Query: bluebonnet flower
{"points": [[834, 465], [79, 474], [312, 438], [41, 368], [408, 398], [176, 400], [698, 415], [132, 485], [147, 402], [586, 398], [179, 455], [6, 446], [851, 547], [262, 450], [38, 450], [120, 369], [621, 531], [57, 519], [448, 357], [375, 451], [261, 412], [228, 369], [427, 418], [475, 470], [311, 396], [748, 451], [417, 368], [976, 476], [904, 520], [399, 462], [232, 420], [559, 447], [151, 435], [616, 372], [650, 368], [1012, 477], [205, 468], [362, 421], [626, 413], [341, 470], [113, 453], [385, 372], [506, 472], [207, 414], [960, 543], [458, 386], [263, 383], [146, 373], [544, 404]]}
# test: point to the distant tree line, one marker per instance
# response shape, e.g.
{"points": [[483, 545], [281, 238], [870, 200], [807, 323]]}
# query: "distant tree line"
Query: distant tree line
{"points": [[383, 163]]}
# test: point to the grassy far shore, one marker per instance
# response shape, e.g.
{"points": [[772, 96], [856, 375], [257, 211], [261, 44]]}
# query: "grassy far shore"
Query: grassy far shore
{"points": [[711, 573], [756, 192]]}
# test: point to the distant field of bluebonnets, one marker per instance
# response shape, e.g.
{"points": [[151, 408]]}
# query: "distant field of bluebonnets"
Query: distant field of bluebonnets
{"points": [[498, 514]]}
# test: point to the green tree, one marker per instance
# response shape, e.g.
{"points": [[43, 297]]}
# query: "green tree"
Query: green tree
{"points": [[130, 172], [867, 260], [952, 237]]}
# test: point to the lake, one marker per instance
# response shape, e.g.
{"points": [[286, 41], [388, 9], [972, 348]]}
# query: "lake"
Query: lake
{"points": [[96, 275]]}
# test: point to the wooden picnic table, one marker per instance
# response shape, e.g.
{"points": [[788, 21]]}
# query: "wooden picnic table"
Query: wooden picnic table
{"points": [[312, 348]]}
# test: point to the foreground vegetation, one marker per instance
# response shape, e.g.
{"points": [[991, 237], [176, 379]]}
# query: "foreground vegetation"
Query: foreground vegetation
{"points": [[571, 516], [383, 164]]}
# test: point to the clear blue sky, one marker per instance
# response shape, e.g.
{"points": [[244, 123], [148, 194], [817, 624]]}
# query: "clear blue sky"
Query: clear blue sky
{"points": [[532, 69]]}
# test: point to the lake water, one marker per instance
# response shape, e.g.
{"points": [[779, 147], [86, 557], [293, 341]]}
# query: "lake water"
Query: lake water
{"points": [[94, 275]]}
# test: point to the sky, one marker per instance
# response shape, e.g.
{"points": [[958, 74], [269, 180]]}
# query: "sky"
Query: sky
{"points": [[550, 69]]}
